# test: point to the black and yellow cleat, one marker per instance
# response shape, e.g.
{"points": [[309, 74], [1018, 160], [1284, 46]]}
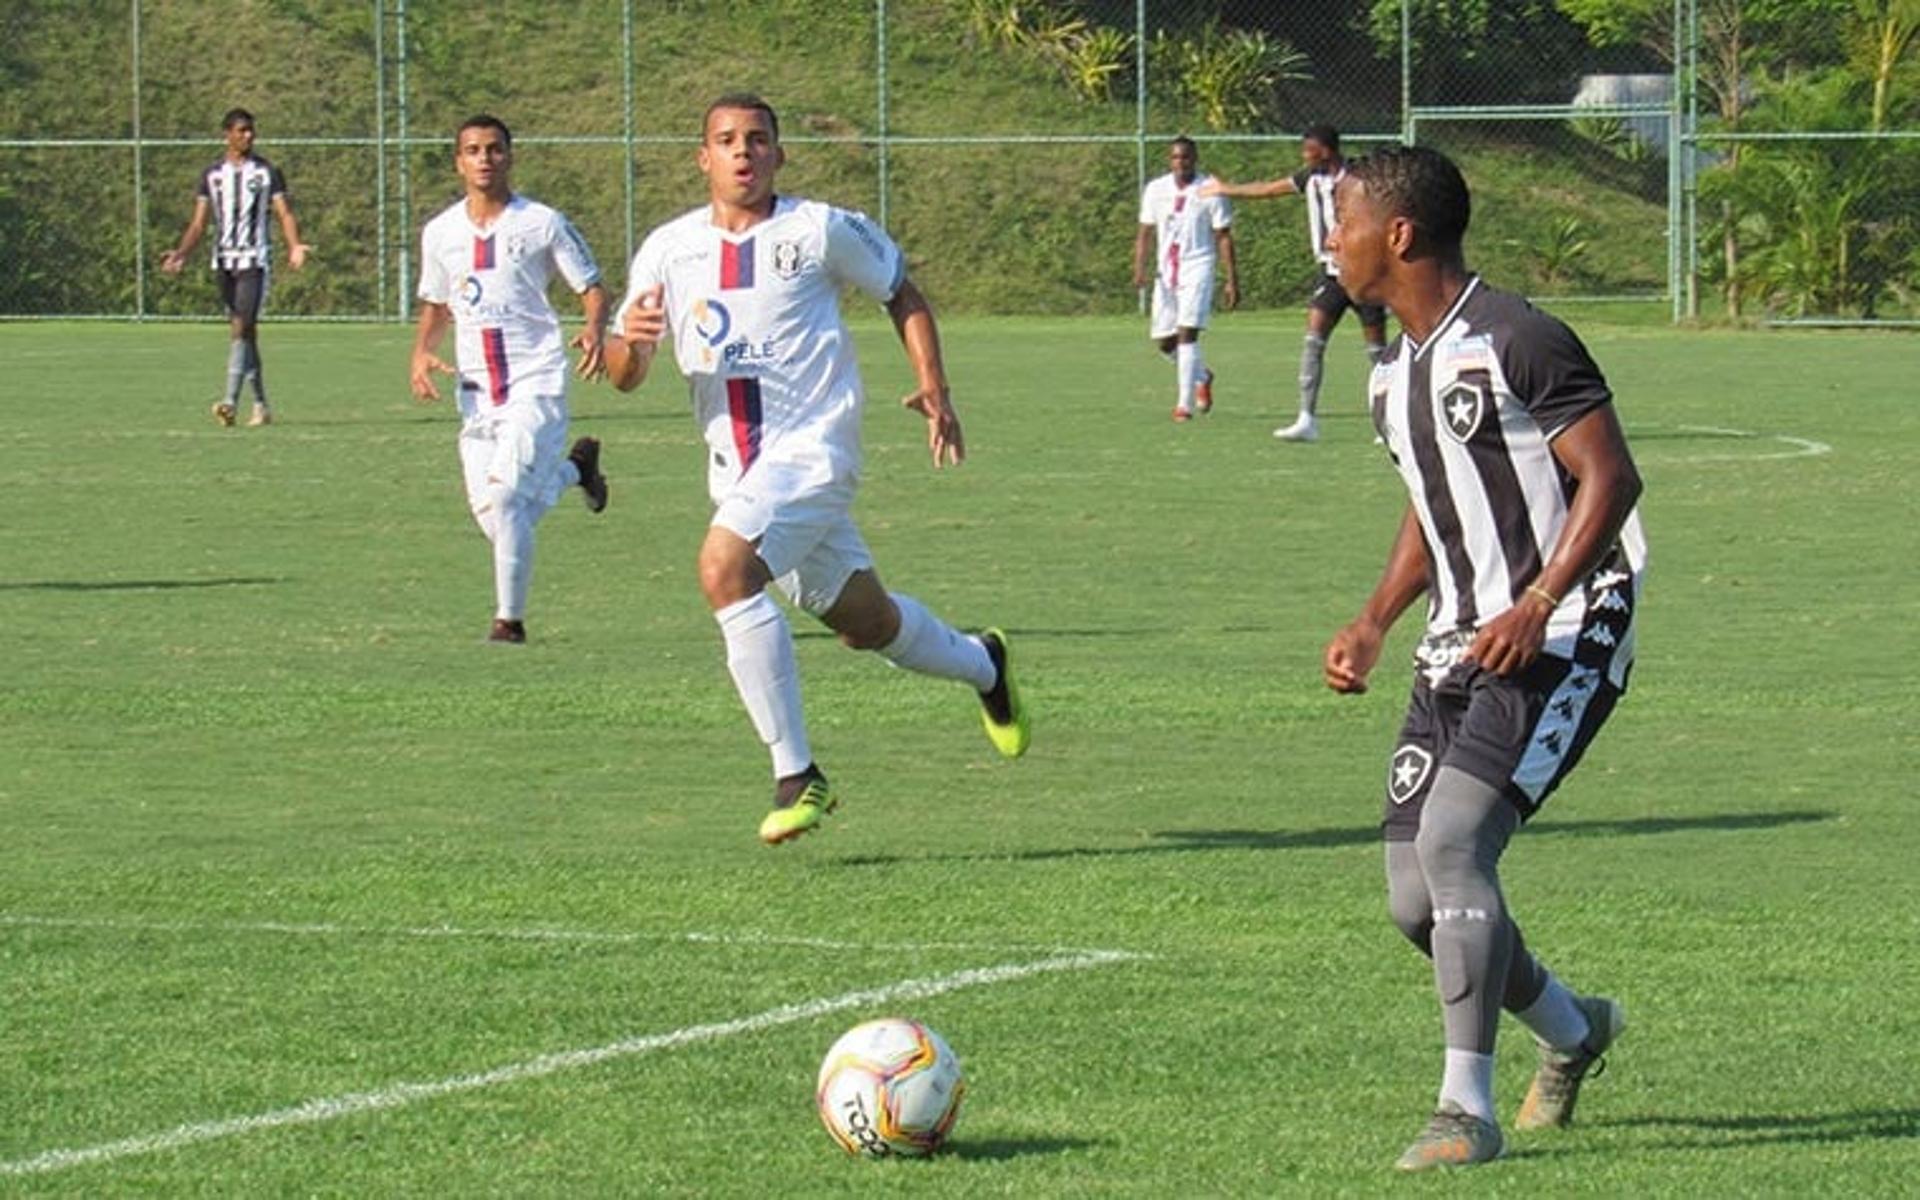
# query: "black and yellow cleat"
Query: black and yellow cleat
{"points": [[1000, 708], [799, 804]]}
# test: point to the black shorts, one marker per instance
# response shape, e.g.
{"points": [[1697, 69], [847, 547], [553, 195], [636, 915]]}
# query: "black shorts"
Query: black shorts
{"points": [[1521, 734], [1330, 298], [242, 290]]}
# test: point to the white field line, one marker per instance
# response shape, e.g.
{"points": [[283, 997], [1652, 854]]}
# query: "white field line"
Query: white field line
{"points": [[1801, 447], [534, 934], [398, 1095]]}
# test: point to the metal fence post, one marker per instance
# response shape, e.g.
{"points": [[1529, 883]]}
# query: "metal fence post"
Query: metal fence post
{"points": [[139, 185], [406, 168], [880, 91]]}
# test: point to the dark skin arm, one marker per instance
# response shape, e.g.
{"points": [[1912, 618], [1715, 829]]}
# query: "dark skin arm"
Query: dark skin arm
{"points": [[1352, 653], [1594, 451]]}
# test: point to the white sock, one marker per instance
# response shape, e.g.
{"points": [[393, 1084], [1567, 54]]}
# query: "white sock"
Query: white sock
{"points": [[930, 646], [1187, 370], [1554, 1018], [760, 658], [1376, 352], [1469, 1082], [512, 559]]}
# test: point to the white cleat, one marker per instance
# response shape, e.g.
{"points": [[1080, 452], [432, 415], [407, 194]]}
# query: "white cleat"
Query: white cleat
{"points": [[1306, 429]]}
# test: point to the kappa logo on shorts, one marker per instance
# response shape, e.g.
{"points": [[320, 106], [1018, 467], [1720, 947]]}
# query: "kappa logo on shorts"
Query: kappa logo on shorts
{"points": [[1411, 766]]}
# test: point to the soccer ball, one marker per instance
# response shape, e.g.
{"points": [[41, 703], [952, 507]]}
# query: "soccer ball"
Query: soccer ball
{"points": [[890, 1087]]}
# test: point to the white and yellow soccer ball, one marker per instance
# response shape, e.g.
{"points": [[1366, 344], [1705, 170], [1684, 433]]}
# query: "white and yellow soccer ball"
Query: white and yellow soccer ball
{"points": [[890, 1087]]}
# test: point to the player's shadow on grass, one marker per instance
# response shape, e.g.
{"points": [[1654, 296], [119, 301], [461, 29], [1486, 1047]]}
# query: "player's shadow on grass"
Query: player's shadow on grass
{"points": [[1734, 1133], [137, 585], [1000, 1149], [1188, 841]]}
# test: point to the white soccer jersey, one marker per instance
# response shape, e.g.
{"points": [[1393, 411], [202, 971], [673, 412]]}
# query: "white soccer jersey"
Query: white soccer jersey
{"points": [[1469, 417], [756, 329], [508, 339], [239, 197], [1186, 223]]}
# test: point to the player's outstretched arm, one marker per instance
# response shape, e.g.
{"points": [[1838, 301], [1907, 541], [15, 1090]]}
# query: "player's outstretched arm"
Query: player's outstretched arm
{"points": [[1354, 650], [913, 321], [592, 340], [635, 340], [426, 359], [176, 258], [1265, 190], [297, 250]]}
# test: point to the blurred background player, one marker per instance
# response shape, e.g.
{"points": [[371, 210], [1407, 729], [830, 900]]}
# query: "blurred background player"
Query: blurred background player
{"points": [[748, 287], [1193, 231], [1522, 530], [485, 264], [1321, 171], [241, 191]]}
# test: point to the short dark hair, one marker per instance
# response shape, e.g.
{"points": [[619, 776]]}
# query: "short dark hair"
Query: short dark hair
{"points": [[1420, 184], [236, 116], [485, 121], [1184, 140], [747, 100], [1326, 135]]}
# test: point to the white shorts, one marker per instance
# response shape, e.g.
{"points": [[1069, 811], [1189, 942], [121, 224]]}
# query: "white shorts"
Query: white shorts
{"points": [[808, 541], [523, 446], [1185, 307]]}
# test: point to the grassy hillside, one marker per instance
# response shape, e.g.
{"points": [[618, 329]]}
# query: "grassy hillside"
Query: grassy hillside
{"points": [[1001, 227]]}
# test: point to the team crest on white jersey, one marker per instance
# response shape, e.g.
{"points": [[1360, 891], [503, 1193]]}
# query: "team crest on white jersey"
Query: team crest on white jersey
{"points": [[516, 246], [786, 259], [1408, 774], [1462, 405]]}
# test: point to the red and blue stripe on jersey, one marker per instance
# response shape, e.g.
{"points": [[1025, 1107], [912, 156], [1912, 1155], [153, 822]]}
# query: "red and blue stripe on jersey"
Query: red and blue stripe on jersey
{"points": [[743, 393], [493, 342]]}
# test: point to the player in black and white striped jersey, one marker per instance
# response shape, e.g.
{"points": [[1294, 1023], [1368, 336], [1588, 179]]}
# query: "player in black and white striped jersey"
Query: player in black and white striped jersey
{"points": [[1523, 532], [241, 193], [1321, 170]]}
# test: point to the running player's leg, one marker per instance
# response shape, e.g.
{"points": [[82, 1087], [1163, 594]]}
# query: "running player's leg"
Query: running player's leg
{"points": [[1195, 303], [1164, 328], [250, 296], [1323, 313], [1373, 330]]}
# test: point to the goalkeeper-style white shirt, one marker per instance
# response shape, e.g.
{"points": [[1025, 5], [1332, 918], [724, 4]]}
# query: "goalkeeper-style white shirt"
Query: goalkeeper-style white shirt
{"points": [[756, 328], [508, 340]]}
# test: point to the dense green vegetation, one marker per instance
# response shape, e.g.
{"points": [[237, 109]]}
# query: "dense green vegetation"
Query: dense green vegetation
{"points": [[992, 227]]}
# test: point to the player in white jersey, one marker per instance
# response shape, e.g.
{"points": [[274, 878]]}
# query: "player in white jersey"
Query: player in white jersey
{"points": [[1521, 529], [485, 264], [1321, 170], [747, 287], [240, 192], [1192, 232]]}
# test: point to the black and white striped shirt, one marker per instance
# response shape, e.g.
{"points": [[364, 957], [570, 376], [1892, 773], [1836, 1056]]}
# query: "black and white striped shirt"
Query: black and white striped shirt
{"points": [[240, 196], [1469, 417], [1317, 187]]}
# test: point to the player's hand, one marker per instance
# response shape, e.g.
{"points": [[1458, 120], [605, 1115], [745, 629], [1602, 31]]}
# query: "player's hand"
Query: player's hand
{"points": [[943, 425], [1510, 642], [172, 261], [424, 366], [645, 321], [1350, 656], [592, 345], [1231, 297], [1139, 278], [297, 254]]}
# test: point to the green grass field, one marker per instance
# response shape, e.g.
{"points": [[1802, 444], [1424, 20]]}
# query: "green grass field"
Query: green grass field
{"points": [[309, 891]]}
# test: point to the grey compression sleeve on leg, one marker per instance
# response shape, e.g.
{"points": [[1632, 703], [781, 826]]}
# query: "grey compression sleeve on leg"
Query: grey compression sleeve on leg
{"points": [[1463, 830]]}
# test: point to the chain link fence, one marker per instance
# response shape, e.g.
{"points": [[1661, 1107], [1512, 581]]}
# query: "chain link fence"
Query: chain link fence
{"points": [[1728, 160]]}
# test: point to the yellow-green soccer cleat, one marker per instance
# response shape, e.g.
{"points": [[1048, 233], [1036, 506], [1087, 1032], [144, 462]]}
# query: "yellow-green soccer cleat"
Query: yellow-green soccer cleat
{"points": [[1453, 1138], [1556, 1085], [811, 801], [1000, 708]]}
